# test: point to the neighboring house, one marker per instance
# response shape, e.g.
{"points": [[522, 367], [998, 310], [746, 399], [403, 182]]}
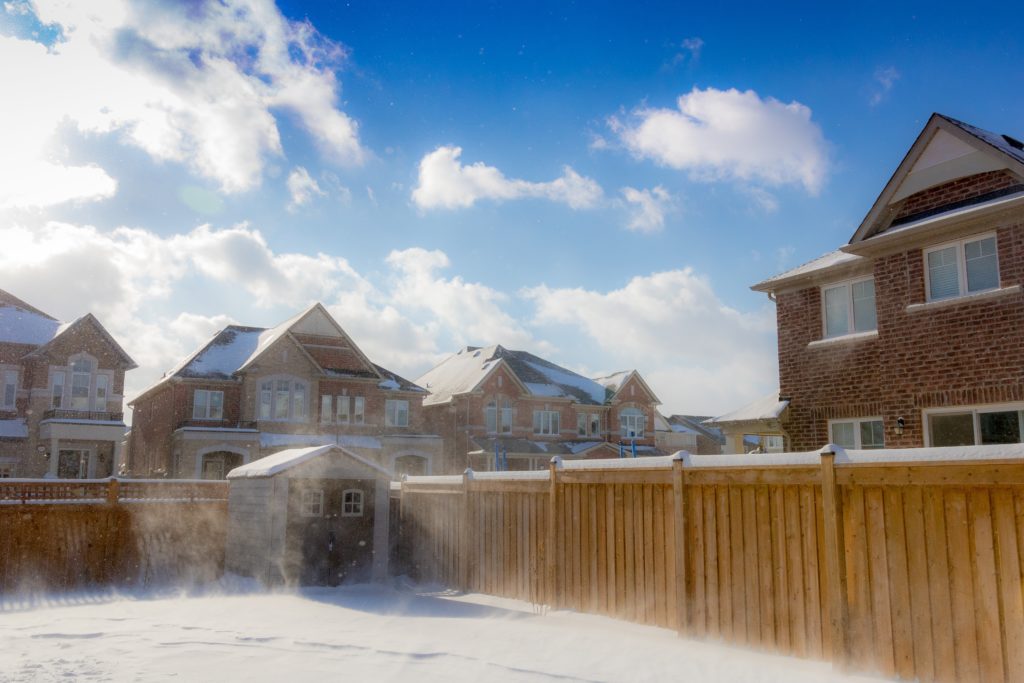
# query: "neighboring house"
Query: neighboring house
{"points": [[755, 428], [687, 433], [250, 392], [61, 388], [910, 335], [526, 409]]}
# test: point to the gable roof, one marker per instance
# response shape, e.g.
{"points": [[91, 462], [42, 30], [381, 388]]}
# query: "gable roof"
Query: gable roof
{"points": [[285, 460], [615, 381], [21, 323], [945, 149], [71, 328], [696, 424], [236, 347], [464, 371]]}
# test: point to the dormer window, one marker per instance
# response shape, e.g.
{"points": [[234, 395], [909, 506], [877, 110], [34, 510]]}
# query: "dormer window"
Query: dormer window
{"points": [[849, 307], [962, 268]]}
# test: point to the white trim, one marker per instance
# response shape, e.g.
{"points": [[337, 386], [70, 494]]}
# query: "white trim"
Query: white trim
{"points": [[855, 337], [851, 323], [292, 380], [312, 508], [975, 410], [961, 266], [396, 402], [856, 421], [209, 404], [358, 505]]}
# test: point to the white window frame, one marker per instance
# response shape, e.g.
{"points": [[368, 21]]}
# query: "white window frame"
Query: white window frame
{"points": [[289, 413], [393, 412], [354, 507], [591, 424], [975, 410], [961, 266], [10, 378], [851, 323], [358, 410], [312, 503], [59, 402], [856, 422], [342, 416], [326, 408], [638, 417], [548, 421], [208, 412]]}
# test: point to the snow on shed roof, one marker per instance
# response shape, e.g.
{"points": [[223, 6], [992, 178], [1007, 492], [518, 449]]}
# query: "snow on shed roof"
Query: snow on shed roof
{"points": [[765, 408], [21, 323], [287, 459], [463, 371]]}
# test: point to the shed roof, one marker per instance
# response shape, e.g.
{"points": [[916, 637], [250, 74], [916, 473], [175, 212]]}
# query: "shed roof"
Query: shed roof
{"points": [[285, 460]]}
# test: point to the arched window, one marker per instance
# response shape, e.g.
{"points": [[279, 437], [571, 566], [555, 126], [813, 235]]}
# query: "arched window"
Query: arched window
{"points": [[413, 465], [632, 422]]}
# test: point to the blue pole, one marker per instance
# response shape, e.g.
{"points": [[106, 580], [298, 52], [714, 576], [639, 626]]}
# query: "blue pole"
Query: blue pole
{"points": [[634, 448], [622, 452], [497, 460], [504, 458]]}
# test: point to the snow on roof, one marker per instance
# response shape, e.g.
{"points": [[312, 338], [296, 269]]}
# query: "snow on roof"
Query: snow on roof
{"points": [[287, 459], [21, 323], [272, 440], [765, 408], [393, 382], [1003, 143], [13, 429], [463, 371], [222, 355], [824, 262], [613, 381]]}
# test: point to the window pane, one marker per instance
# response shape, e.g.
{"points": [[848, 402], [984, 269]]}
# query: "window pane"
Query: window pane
{"points": [[199, 404], [403, 413], [343, 409], [595, 424], [80, 391], [864, 306], [298, 401], [491, 417], [281, 400], [57, 391], [101, 392], [581, 424], [325, 409], [506, 416], [216, 405], [836, 312], [358, 412], [555, 426], [10, 388], [982, 271], [952, 430], [943, 281], [1002, 427], [872, 435], [842, 435]]}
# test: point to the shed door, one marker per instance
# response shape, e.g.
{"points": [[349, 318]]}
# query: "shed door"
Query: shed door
{"points": [[337, 546]]}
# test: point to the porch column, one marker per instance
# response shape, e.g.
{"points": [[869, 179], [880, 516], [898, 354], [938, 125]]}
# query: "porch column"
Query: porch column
{"points": [[54, 457], [115, 468], [381, 527]]}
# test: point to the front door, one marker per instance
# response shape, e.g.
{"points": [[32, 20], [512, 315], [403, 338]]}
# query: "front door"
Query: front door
{"points": [[73, 464]]}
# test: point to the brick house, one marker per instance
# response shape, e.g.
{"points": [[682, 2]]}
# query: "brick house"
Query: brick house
{"points": [[687, 433], [527, 409], [250, 392], [61, 393], [910, 335]]}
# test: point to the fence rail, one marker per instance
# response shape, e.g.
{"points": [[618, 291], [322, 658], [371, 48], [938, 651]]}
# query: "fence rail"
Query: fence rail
{"points": [[904, 563], [112, 490]]}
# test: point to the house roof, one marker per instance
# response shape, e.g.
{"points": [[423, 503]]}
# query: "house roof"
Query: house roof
{"points": [[519, 446], [615, 381], [293, 457], [695, 424], [463, 371], [825, 262], [768, 407]]}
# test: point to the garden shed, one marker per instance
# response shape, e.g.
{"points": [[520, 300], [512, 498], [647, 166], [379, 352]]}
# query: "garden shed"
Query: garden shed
{"points": [[311, 516]]}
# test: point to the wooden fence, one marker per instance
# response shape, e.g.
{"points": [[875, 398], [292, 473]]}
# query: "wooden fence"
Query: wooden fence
{"points": [[66, 534], [904, 563]]}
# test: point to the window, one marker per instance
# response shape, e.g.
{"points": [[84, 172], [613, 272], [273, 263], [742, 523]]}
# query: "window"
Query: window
{"points": [[495, 419], [359, 410], [396, 413], [283, 400], [588, 424], [975, 426], [57, 389], [207, 405], [81, 378], [6, 471], [858, 434], [102, 385], [352, 503], [342, 406], [10, 389], [325, 409], [965, 267], [631, 423], [849, 308], [313, 503], [545, 422]]}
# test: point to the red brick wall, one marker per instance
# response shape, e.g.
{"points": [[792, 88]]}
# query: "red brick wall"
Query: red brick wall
{"points": [[960, 354], [153, 420], [955, 191]]}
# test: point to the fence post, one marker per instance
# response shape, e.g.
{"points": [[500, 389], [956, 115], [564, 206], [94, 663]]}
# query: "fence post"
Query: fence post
{"points": [[113, 489], [835, 558], [468, 553], [679, 491], [554, 491]]}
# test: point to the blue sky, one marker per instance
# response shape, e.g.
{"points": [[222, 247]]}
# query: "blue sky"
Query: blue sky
{"points": [[599, 183]]}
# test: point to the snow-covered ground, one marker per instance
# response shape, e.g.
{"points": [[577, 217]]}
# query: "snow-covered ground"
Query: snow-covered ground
{"points": [[369, 633]]}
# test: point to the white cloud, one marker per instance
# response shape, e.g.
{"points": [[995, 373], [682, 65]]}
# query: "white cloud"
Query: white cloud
{"points": [[730, 135], [302, 188], [884, 80], [699, 355], [688, 51], [648, 208], [445, 182], [188, 83]]}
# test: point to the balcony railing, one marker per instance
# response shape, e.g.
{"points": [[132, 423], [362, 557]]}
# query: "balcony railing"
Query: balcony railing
{"points": [[93, 415], [218, 424]]}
